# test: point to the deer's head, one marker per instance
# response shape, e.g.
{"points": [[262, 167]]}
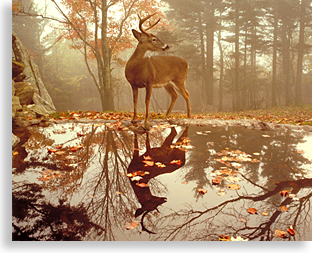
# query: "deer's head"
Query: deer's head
{"points": [[148, 40]]}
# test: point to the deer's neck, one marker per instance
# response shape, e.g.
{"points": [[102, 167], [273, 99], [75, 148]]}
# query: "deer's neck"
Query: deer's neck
{"points": [[138, 55]]}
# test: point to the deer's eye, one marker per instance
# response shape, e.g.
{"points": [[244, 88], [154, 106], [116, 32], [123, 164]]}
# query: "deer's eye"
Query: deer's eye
{"points": [[154, 39]]}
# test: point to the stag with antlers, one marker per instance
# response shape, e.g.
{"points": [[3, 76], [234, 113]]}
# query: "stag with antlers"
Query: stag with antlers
{"points": [[169, 72]]}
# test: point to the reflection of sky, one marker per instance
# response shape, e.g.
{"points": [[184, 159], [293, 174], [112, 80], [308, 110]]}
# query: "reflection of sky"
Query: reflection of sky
{"points": [[306, 147]]}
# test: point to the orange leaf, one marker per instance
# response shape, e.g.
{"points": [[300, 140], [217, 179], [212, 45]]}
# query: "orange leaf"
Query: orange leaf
{"points": [[224, 238], [59, 146], [50, 150], [284, 208], [131, 225], [284, 193], [280, 233], [76, 148], [147, 157], [148, 163], [291, 231], [60, 152], [178, 162], [233, 186], [142, 184], [202, 191], [216, 181], [252, 210]]}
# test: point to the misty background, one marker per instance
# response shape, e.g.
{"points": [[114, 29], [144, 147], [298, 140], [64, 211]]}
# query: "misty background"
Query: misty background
{"points": [[242, 54]]}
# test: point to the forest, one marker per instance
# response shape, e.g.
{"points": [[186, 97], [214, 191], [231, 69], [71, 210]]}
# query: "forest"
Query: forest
{"points": [[242, 54]]}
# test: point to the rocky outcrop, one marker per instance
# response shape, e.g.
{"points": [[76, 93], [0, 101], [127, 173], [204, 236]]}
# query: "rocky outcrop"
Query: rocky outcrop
{"points": [[30, 99]]}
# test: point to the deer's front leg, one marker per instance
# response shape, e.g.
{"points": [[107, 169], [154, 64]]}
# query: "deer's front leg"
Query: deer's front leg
{"points": [[147, 101], [135, 92]]}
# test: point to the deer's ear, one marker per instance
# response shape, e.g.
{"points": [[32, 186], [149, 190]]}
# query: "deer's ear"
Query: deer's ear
{"points": [[137, 35]]}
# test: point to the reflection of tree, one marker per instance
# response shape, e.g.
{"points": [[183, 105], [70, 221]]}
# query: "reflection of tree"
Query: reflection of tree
{"points": [[226, 217], [36, 219]]}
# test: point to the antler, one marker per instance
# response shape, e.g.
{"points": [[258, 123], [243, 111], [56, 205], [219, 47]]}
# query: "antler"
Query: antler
{"points": [[143, 20]]}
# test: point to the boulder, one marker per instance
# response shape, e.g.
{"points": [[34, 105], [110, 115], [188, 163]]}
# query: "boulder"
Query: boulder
{"points": [[17, 68], [16, 105], [25, 92], [15, 140]]}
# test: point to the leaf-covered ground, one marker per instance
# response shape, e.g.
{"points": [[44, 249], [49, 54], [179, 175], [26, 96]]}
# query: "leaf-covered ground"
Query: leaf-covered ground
{"points": [[279, 115]]}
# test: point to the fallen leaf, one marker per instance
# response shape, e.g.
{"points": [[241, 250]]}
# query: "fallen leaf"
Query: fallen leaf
{"points": [[131, 225], [178, 162], [90, 196], [265, 213], [60, 152], [136, 178], [233, 186], [51, 150], [184, 182], [284, 193], [300, 152], [76, 148], [216, 181], [202, 191], [284, 208], [160, 165], [256, 153], [142, 185], [252, 210], [59, 146], [224, 238], [15, 153], [291, 230], [147, 157], [117, 192], [280, 233], [148, 163]]}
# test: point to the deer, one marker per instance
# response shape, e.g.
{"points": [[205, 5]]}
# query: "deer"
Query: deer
{"points": [[158, 71]]}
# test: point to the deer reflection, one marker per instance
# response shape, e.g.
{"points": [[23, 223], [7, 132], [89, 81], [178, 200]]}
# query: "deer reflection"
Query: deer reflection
{"points": [[155, 161]]}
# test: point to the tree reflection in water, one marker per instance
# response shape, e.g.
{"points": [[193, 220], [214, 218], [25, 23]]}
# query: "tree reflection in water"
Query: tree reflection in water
{"points": [[92, 198]]}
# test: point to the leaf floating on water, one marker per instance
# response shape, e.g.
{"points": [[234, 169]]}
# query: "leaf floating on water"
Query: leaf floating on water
{"points": [[233, 186], [284, 208], [117, 192], [265, 213], [148, 163], [202, 191], [131, 225], [142, 184], [147, 157], [224, 238], [136, 178], [15, 153], [220, 192], [185, 182], [90, 196], [266, 136], [252, 210], [291, 230], [285, 193], [160, 165], [178, 162], [216, 181], [280, 233], [238, 238]]}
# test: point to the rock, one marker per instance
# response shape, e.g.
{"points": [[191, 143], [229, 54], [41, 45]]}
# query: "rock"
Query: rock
{"points": [[43, 103], [25, 92], [15, 105], [31, 71], [15, 140], [17, 68], [40, 109]]}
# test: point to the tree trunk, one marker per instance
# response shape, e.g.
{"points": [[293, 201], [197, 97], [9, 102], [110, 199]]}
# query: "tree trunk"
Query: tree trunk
{"points": [[274, 61], [210, 41], [298, 89], [108, 103], [237, 96], [203, 60], [221, 68]]}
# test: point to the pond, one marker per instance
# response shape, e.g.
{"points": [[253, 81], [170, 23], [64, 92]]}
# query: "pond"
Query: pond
{"points": [[108, 182]]}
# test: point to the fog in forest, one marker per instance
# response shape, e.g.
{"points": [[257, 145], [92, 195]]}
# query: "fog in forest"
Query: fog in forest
{"points": [[242, 54]]}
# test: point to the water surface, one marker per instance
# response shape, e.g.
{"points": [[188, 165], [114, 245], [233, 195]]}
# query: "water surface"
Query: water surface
{"points": [[105, 182]]}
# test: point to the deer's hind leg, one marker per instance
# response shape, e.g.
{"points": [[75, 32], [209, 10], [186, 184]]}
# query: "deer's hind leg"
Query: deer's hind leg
{"points": [[180, 86], [173, 94]]}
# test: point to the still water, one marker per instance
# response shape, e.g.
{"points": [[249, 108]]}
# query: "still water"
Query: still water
{"points": [[103, 182]]}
